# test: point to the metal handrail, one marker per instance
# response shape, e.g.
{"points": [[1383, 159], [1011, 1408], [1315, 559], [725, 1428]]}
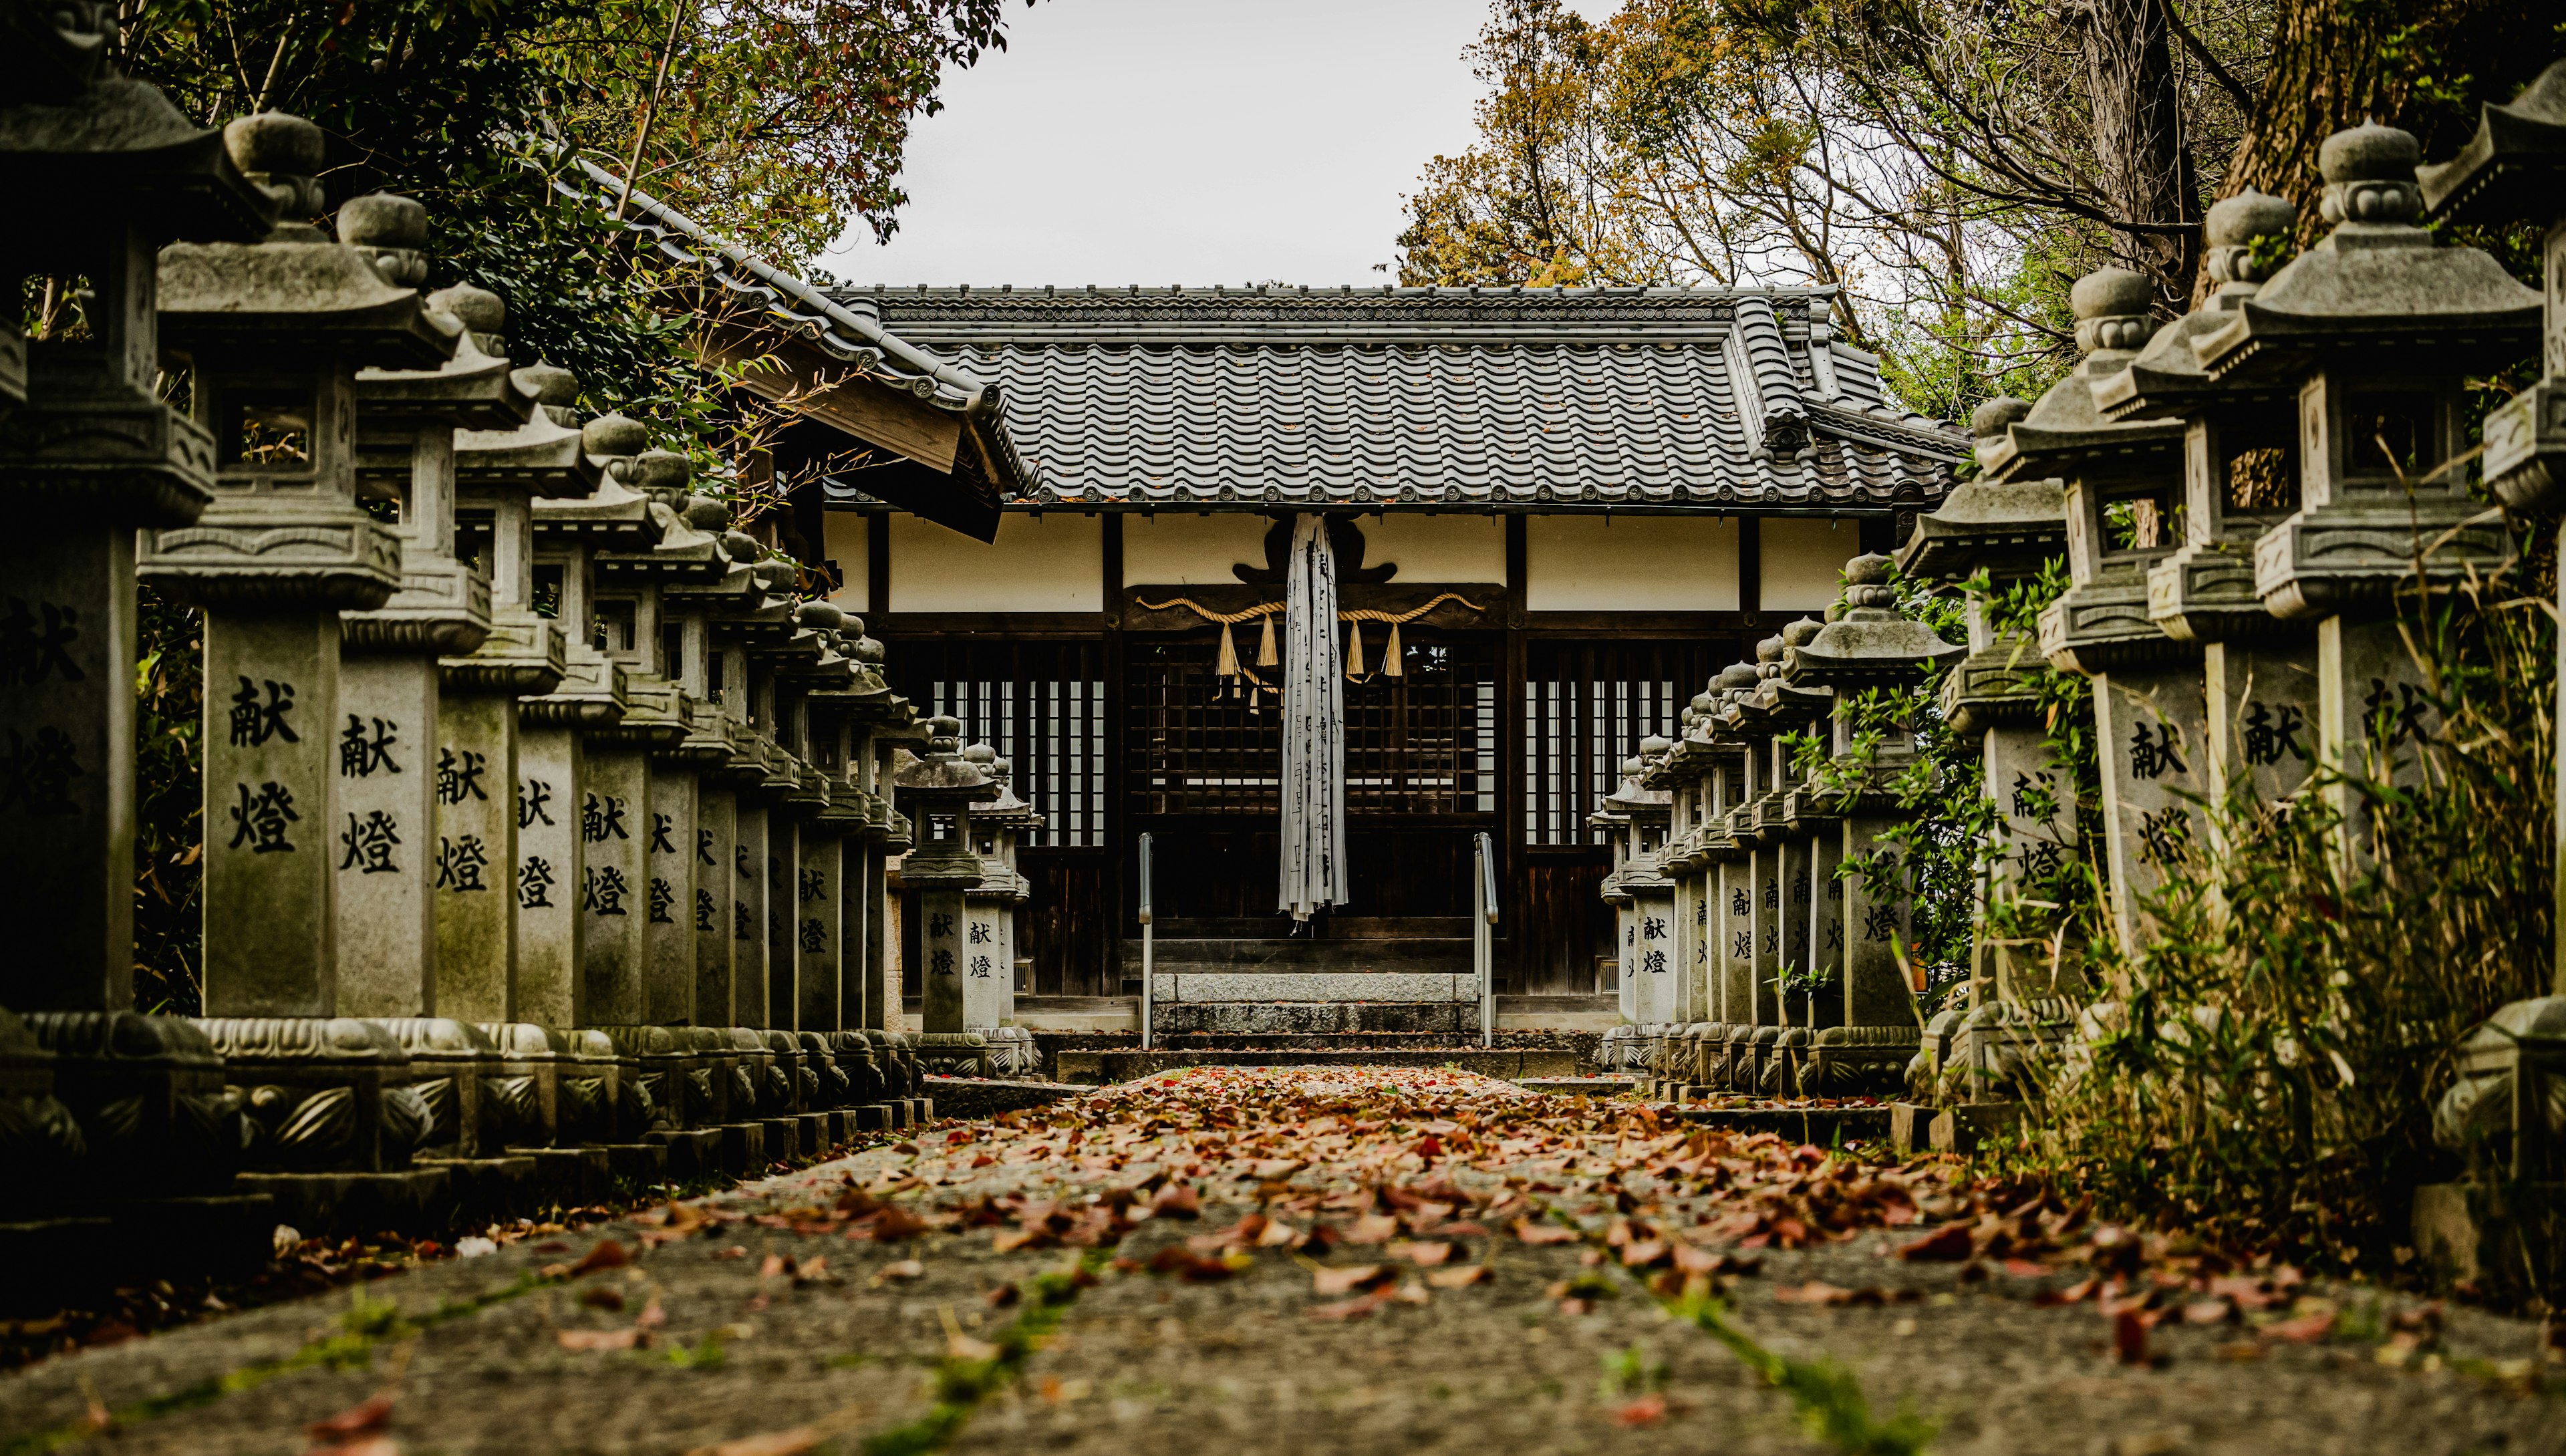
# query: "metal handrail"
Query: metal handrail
{"points": [[1483, 889], [1149, 956]]}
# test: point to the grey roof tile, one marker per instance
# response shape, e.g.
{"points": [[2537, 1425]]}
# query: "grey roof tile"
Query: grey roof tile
{"points": [[1441, 397]]}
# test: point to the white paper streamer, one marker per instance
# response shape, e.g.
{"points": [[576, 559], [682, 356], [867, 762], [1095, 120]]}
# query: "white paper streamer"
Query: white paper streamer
{"points": [[1314, 728]]}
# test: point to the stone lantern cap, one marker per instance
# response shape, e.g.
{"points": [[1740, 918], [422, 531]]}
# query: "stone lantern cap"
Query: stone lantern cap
{"points": [[473, 390], [1633, 801], [1007, 810], [299, 301], [1785, 703], [2065, 428], [2377, 283], [543, 456], [614, 515], [1869, 643], [940, 779], [92, 144], [2006, 528], [2167, 380], [1742, 714], [2515, 168]]}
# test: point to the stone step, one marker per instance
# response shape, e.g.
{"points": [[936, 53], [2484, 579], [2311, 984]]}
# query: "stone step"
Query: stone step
{"points": [[1225, 984], [1098, 1068], [1446, 954], [1326, 927]]}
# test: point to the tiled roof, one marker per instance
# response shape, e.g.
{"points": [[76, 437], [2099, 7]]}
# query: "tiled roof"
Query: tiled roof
{"points": [[1626, 398]]}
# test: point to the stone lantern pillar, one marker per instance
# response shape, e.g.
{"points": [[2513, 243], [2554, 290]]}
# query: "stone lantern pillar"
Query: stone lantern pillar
{"points": [[579, 865], [868, 956], [646, 639], [1756, 824], [1728, 931], [1809, 903], [2009, 530], [275, 332], [1619, 1046], [2124, 486], [1685, 861], [391, 683], [2377, 328], [1868, 645], [695, 616], [938, 788], [817, 869], [480, 795], [87, 455]]}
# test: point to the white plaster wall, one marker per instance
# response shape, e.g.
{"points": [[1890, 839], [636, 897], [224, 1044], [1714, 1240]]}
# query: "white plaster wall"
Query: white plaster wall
{"points": [[1629, 564], [844, 541], [1804, 562], [1049, 563], [1190, 550], [1437, 548]]}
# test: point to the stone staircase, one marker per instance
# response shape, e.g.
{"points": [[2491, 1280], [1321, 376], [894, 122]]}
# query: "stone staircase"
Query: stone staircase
{"points": [[1345, 974]]}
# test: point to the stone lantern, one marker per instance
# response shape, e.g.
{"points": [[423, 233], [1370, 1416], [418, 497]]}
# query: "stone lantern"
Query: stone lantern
{"points": [[1636, 819], [480, 791], [2124, 488], [390, 682], [1685, 861], [87, 453], [718, 747], [2506, 1113], [938, 788], [762, 776], [2010, 530], [1868, 645], [992, 906], [275, 332], [2240, 472], [2377, 328]]}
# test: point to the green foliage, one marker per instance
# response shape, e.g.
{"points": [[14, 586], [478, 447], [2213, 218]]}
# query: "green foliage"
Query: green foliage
{"points": [[1828, 1396], [2263, 1070], [168, 840]]}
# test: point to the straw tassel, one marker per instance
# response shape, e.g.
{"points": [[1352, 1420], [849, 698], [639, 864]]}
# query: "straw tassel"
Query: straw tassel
{"points": [[1393, 662], [1353, 653], [1227, 666], [1266, 656]]}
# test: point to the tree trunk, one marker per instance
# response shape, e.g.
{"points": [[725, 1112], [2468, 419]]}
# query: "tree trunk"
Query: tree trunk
{"points": [[2423, 65], [2137, 142]]}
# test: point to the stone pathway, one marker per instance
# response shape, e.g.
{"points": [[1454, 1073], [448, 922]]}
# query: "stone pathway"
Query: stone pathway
{"points": [[1326, 1259]]}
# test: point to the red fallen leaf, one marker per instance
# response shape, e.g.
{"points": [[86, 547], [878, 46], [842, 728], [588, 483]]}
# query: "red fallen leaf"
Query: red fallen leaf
{"points": [[1690, 1259], [1355, 1308], [602, 1297], [2130, 1337], [1460, 1278], [2306, 1330], [1274, 1170], [773, 1443], [1643, 1253], [598, 1338], [1176, 1200], [1545, 1233], [1947, 1245], [736, 1252], [1373, 1228], [1008, 1240], [651, 1315], [2208, 1312], [2025, 1268], [1345, 1279], [1648, 1410], [607, 1254], [1428, 1256], [372, 1415], [1816, 1292], [775, 1264], [888, 1225]]}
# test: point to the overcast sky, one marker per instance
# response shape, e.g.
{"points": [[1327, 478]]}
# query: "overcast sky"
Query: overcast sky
{"points": [[1166, 142]]}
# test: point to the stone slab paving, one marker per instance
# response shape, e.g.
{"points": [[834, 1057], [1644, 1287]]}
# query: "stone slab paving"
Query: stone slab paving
{"points": [[1208, 1331]]}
